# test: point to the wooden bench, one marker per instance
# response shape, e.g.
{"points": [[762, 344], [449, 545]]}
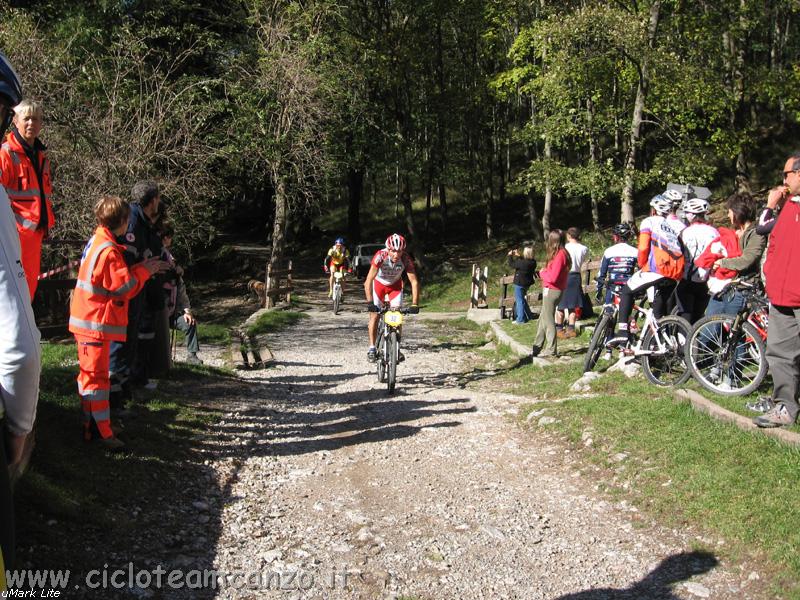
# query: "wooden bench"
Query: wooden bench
{"points": [[588, 275]]}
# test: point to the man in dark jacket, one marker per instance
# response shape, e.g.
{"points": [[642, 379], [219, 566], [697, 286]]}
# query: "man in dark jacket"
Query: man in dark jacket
{"points": [[141, 242], [783, 291]]}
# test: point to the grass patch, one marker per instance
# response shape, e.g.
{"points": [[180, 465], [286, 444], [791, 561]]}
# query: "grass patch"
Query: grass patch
{"points": [[274, 320], [683, 466], [76, 497]]}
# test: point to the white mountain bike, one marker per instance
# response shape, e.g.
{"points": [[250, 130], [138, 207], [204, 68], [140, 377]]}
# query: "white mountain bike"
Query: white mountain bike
{"points": [[338, 294]]}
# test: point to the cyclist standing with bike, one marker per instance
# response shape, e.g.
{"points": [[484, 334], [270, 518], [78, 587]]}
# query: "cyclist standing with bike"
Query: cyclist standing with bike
{"points": [[693, 289], [385, 279], [337, 259], [661, 264], [618, 264]]}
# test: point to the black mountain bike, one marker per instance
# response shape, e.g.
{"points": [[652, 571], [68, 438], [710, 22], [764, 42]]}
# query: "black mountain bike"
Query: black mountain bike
{"points": [[388, 347]]}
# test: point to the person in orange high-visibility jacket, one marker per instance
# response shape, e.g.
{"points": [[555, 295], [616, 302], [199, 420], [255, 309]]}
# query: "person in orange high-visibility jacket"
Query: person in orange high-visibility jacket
{"points": [[25, 173], [99, 311]]}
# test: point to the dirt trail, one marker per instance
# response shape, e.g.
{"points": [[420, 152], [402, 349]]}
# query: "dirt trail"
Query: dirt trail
{"points": [[333, 489]]}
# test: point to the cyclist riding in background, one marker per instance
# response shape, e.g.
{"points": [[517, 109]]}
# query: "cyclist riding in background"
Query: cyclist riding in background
{"points": [[661, 264], [337, 259], [385, 278], [618, 264]]}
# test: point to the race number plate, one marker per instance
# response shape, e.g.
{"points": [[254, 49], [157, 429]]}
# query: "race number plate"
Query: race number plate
{"points": [[393, 318]]}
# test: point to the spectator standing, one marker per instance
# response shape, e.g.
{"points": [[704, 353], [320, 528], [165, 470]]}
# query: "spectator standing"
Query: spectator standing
{"points": [[695, 237], [741, 256], [178, 306], [554, 280], [25, 174], [572, 303], [524, 273], [140, 242], [99, 313], [783, 291], [20, 355]]}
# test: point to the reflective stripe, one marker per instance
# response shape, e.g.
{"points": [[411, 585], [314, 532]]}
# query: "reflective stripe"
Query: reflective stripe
{"points": [[121, 329], [85, 285], [32, 194], [25, 223], [101, 291], [99, 415], [93, 394]]}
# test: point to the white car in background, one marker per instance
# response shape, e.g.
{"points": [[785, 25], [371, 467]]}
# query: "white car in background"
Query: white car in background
{"points": [[363, 256]]}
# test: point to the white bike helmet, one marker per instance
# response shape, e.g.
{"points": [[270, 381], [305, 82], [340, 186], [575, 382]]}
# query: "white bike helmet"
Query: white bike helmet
{"points": [[395, 242], [673, 196], [661, 204], [695, 206]]}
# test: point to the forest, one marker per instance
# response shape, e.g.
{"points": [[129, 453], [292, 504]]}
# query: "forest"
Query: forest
{"points": [[256, 115]]}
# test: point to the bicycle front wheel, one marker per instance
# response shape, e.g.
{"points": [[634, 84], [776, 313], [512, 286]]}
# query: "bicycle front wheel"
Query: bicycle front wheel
{"points": [[381, 355], [337, 298], [393, 352], [665, 361], [724, 360], [598, 342]]}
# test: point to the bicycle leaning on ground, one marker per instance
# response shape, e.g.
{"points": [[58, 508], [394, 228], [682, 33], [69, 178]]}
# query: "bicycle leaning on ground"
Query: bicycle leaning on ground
{"points": [[388, 346], [727, 354], [658, 343]]}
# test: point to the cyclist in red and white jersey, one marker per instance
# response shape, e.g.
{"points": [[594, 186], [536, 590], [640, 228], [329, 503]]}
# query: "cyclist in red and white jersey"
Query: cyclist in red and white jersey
{"points": [[385, 283]]}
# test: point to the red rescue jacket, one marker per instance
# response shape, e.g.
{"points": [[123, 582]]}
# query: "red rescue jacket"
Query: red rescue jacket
{"points": [[105, 285], [22, 185]]}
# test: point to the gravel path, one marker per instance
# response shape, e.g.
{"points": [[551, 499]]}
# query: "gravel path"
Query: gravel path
{"points": [[330, 488]]}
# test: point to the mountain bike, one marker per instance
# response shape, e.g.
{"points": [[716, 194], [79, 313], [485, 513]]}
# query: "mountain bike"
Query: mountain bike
{"points": [[388, 346], [658, 343], [338, 294], [727, 354]]}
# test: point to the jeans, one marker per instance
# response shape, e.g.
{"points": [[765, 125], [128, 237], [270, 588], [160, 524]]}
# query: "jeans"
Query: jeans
{"points": [[727, 302], [190, 332], [522, 312]]}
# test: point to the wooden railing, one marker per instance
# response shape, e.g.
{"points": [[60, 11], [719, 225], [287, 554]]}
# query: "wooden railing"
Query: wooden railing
{"points": [[274, 291], [588, 275]]}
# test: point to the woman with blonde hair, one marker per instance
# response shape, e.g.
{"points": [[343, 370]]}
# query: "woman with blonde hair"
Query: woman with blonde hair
{"points": [[524, 273], [554, 280]]}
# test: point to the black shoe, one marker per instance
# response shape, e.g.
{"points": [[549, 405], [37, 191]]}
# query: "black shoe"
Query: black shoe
{"points": [[401, 357], [535, 350], [372, 355]]}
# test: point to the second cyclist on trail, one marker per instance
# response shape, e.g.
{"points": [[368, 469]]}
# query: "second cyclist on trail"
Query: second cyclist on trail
{"points": [[337, 259], [385, 279]]}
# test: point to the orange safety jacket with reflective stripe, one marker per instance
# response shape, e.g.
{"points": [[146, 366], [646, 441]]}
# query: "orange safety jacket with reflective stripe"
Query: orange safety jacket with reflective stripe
{"points": [[22, 185], [105, 285]]}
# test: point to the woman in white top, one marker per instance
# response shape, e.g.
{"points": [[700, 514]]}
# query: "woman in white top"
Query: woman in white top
{"points": [[571, 304]]}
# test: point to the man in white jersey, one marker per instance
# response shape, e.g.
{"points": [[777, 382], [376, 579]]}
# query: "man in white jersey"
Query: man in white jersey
{"points": [[385, 283], [20, 356], [693, 290]]}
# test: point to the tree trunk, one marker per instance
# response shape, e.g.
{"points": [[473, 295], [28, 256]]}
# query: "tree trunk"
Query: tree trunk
{"points": [[636, 120], [593, 161], [279, 227], [355, 190], [536, 226], [442, 203], [548, 193]]}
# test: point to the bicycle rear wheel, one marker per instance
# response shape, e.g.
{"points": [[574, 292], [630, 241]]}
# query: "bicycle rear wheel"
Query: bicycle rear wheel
{"points": [[598, 342], [392, 351], [667, 365], [725, 361]]}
